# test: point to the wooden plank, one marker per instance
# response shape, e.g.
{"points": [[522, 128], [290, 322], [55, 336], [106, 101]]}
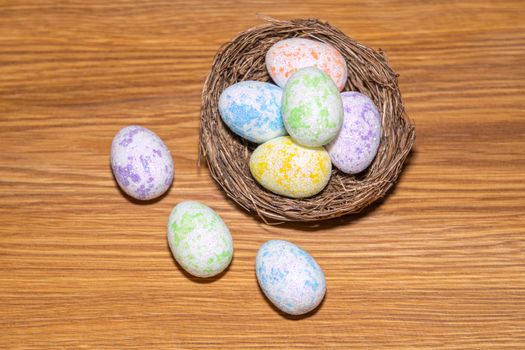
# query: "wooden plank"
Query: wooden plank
{"points": [[440, 263]]}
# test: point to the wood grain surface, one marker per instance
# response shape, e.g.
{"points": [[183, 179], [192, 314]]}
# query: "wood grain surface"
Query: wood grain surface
{"points": [[438, 264]]}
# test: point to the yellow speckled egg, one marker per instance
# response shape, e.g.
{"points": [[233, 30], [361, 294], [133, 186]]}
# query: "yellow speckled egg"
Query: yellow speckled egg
{"points": [[284, 167]]}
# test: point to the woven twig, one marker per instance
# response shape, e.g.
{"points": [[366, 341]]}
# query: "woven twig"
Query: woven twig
{"points": [[227, 155]]}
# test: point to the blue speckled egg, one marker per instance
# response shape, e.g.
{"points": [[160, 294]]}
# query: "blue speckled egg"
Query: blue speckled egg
{"points": [[289, 277], [252, 110]]}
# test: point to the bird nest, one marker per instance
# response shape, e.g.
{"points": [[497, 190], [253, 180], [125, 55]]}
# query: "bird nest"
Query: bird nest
{"points": [[227, 155]]}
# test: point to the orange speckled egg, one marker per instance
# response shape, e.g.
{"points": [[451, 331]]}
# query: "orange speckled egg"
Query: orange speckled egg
{"points": [[287, 56]]}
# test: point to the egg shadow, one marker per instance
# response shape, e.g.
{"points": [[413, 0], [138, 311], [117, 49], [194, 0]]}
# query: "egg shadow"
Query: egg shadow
{"points": [[195, 279], [288, 316], [138, 201]]}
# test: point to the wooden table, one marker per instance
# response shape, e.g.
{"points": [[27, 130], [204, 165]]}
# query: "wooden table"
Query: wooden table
{"points": [[439, 264]]}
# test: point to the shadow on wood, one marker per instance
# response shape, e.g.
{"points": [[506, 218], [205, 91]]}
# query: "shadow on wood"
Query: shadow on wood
{"points": [[284, 314], [195, 279]]}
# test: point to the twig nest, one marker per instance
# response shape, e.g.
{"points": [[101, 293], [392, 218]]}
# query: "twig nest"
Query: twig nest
{"points": [[228, 155]]}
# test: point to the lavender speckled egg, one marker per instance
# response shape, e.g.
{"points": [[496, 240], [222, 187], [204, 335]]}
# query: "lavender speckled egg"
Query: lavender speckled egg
{"points": [[287, 56], [252, 110], [357, 143], [141, 163], [199, 240], [289, 277]]}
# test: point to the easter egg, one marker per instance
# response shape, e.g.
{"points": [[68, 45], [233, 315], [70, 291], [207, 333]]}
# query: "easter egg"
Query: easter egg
{"points": [[141, 163], [312, 107], [199, 240], [252, 110], [289, 277], [356, 144], [287, 56], [286, 168]]}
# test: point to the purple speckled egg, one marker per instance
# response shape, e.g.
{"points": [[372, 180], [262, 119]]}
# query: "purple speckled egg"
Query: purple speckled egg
{"points": [[355, 147], [141, 163]]}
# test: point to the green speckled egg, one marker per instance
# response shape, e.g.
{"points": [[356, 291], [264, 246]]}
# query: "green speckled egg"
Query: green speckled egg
{"points": [[312, 108], [199, 239]]}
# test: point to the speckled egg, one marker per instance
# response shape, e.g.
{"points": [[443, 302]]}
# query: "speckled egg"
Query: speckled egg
{"points": [[141, 163], [286, 168], [356, 144], [252, 110], [312, 107], [289, 277], [287, 56], [199, 240]]}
